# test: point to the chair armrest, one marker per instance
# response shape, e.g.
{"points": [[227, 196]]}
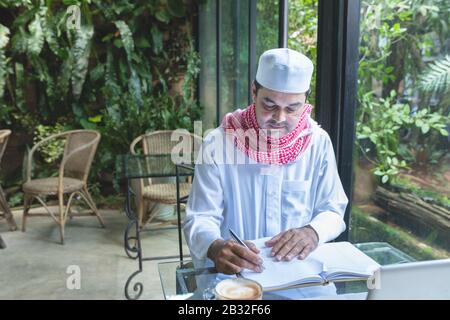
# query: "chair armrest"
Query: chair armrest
{"points": [[35, 147], [133, 144]]}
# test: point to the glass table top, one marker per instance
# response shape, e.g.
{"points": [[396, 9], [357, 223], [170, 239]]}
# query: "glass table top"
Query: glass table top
{"points": [[130, 166], [180, 280]]}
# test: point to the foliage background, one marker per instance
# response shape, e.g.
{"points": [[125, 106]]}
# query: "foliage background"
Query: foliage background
{"points": [[403, 86], [130, 68], [402, 118], [403, 80]]}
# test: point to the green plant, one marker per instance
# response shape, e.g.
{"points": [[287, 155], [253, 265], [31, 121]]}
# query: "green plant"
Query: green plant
{"points": [[381, 29], [380, 121], [437, 77], [4, 39], [303, 33], [16, 199], [52, 150], [116, 73], [366, 228], [396, 37], [127, 118]]}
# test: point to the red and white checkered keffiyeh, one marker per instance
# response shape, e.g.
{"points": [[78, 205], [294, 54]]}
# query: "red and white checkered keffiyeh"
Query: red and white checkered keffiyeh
{"points": [[242, 126]]}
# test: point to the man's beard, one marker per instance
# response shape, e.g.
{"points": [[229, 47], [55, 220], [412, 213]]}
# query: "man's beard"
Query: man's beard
{"points": [[277, 129]]}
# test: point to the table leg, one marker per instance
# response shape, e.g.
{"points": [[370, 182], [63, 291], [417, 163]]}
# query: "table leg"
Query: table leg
{"points": [[7, 211], [2, 243], [180, 243], [138, 287], [133, 251]]}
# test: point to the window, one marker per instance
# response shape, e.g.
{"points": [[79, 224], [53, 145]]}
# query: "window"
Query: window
{"points": [[232, 35], [401, 162]]}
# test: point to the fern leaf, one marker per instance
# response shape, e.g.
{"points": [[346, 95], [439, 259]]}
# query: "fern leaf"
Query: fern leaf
{"points": [[4, 39], [81, 52], [14, 3], [19, 87], [127, 38], [44, 76], [437, 77], [65, 76], [134, 84], [50, 32], [4, 36], [3, 72], [35, 41], [112, 90], [19, 41]]}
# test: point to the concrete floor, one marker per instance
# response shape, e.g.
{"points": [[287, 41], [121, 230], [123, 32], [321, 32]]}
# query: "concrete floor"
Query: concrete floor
{"points": [[35, 266]]}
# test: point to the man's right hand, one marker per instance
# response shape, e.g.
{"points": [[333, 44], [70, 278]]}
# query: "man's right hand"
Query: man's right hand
{"points": [[230, 257]]}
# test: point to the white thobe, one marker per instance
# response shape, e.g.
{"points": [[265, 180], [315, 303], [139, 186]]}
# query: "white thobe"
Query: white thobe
{"points": [[230, 190]]}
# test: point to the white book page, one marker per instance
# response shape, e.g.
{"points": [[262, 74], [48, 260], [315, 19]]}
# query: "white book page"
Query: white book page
{"points": [[284, 273], [342, 258]]}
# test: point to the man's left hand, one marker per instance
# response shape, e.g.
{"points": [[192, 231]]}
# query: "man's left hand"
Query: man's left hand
{"points": [[297, 242]]}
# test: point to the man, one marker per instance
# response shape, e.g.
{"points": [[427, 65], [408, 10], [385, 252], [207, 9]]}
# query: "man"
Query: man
{"points": [[268, 170]]}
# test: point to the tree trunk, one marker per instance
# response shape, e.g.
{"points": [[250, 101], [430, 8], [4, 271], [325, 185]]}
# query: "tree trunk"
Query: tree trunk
{"points": [[410, 210]]}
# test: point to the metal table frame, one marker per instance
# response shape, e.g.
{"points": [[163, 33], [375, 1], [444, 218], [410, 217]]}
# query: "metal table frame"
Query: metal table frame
{"points": [[132, 242]]}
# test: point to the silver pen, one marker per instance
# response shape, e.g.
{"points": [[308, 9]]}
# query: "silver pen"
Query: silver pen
{"points": [[242, 243]]}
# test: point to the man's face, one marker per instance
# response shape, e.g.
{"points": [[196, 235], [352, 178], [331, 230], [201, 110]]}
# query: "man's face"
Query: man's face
{"points": [[276, 111]]}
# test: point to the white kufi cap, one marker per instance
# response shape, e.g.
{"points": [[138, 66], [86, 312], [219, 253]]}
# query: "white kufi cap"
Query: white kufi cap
{"points": [[284, 70]]}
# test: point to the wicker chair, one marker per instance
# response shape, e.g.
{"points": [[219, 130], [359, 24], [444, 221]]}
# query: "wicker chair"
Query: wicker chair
{"points": [[4, 135], [79, 150], [150, 193]]}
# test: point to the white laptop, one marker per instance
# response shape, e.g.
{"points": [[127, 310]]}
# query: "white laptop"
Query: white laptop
{"points": [[413, 281]]}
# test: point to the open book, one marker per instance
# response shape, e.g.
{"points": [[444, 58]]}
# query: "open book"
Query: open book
{"points": [[330, 262]]}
